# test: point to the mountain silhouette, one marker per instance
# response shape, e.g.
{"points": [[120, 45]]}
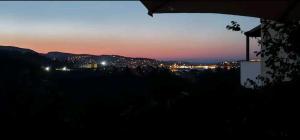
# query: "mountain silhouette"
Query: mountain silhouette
{"points": [[15, 56], [16, 49]]}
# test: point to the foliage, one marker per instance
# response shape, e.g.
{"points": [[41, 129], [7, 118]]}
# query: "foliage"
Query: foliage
{"points": [[234, 27], [281, 41], [281, 51]]}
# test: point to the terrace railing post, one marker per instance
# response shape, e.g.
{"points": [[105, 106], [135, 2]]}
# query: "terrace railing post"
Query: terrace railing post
{"points": [[247, 48]]}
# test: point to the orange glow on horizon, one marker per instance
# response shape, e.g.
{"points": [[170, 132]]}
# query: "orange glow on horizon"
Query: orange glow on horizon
{"points": [[146, 47]]}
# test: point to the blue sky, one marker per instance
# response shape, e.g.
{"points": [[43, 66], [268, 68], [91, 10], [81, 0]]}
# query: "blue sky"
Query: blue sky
{"points": [[123, 28]]}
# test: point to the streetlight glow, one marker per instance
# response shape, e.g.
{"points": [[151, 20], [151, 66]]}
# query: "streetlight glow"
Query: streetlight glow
{"points": [[64, 68], [103, 63], [47, 68]]}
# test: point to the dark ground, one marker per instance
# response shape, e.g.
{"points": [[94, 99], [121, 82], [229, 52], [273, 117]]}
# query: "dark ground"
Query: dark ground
{"points": [[155, 101]]}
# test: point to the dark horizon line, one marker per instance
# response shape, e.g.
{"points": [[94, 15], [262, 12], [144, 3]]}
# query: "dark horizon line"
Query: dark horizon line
{"points": [[187, 60]]}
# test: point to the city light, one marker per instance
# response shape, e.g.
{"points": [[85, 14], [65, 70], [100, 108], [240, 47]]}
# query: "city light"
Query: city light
{"points": [[63, 69], [103, 63], [47, 68]]}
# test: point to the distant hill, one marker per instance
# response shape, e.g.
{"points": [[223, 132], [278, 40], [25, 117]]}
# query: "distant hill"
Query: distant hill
{"points": [[62, 56], [115, 60], [16, 49], [11, 55], [56, 58]]}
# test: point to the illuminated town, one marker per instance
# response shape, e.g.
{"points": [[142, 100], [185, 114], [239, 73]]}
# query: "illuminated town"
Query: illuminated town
{"points": [[74, 61]]}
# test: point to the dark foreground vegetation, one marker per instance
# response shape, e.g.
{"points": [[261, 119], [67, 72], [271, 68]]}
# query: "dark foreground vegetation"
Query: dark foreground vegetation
{"points": [[138, 101]]}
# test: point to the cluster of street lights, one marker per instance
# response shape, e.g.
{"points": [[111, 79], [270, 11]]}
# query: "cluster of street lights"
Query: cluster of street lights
{"points": [[48, 68]]}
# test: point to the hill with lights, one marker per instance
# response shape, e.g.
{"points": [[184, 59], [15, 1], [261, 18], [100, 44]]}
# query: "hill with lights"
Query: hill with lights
{"points": [[80, 60]]}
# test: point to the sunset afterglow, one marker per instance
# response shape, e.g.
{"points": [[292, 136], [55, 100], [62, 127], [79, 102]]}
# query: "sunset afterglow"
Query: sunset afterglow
{"points": [[121, 28]]}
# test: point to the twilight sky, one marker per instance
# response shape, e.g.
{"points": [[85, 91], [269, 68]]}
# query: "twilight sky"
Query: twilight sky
{"points": [[121, 28]]}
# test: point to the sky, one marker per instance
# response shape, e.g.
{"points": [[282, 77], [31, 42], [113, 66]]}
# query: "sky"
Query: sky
{"points": [[122, 28]]}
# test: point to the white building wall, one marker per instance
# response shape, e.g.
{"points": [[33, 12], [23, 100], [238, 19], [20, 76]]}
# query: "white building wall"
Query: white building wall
{"points": [[250, 70]]}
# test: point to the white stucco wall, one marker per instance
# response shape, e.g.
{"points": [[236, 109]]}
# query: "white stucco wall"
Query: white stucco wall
{"points": [[250, 70]]}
